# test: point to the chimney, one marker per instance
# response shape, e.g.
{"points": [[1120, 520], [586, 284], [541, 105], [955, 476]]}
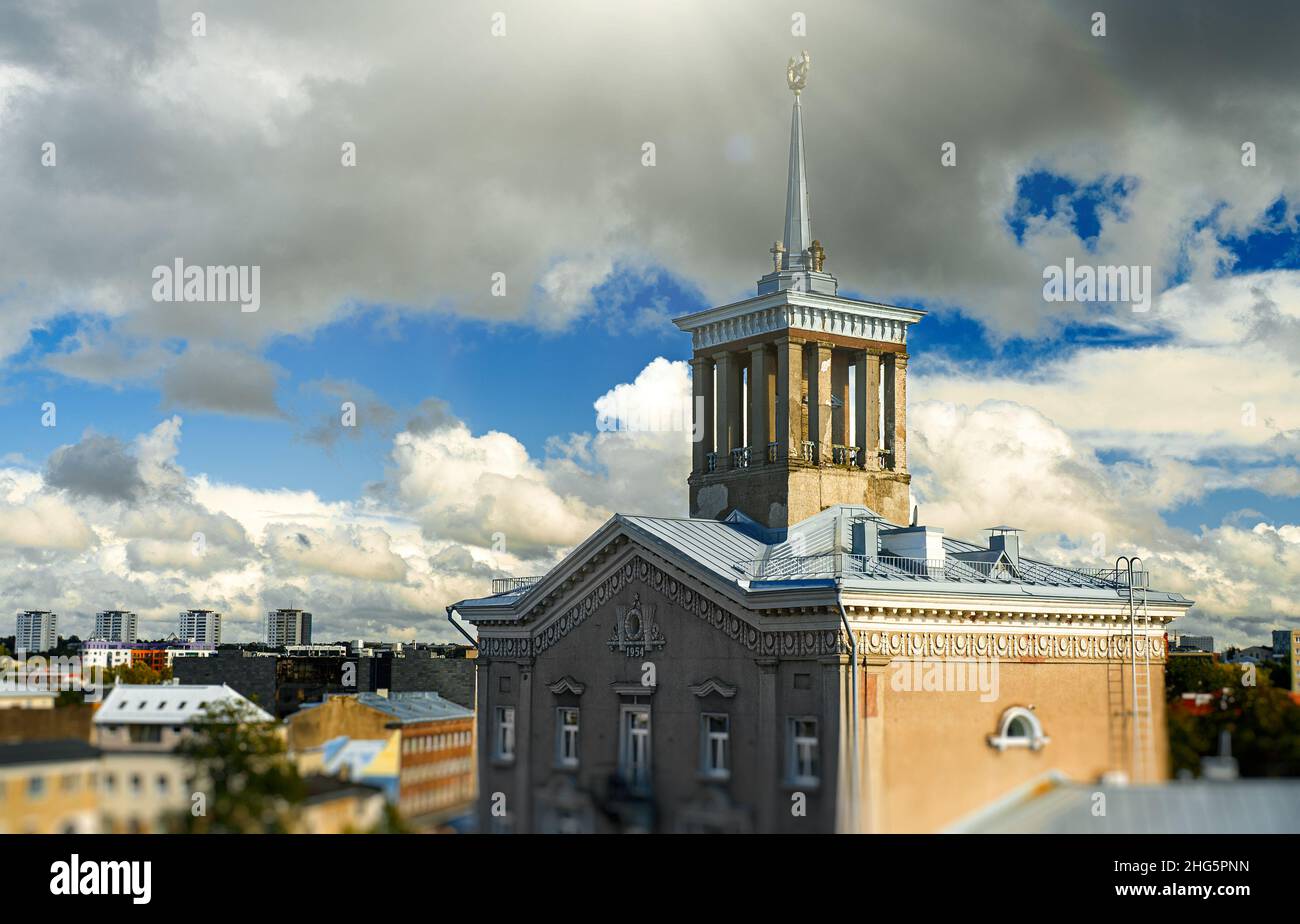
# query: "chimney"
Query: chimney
{"points": [[1006, 539]]}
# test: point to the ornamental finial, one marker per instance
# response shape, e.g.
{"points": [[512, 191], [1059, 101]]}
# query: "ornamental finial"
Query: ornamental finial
{"points": [[796, 72]]}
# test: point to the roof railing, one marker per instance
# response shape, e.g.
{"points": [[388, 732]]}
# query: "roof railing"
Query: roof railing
{"points": [[510, 584], [893, 567]]}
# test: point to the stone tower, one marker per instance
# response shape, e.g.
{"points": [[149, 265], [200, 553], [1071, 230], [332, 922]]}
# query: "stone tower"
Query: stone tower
{"points": [[800, 395]]}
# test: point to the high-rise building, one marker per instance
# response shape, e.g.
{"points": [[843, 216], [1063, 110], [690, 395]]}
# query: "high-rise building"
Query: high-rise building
{"points": [[201, 626], [1195, 643], [288, 627], [1281, 643], [115, 626], [38, 630]]}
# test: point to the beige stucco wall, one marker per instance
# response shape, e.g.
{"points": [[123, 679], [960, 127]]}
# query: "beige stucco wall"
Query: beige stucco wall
{"points": [[938, 766]]}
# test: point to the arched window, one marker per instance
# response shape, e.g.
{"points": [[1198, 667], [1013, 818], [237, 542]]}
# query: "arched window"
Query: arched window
{"points": [[1019, 728]]}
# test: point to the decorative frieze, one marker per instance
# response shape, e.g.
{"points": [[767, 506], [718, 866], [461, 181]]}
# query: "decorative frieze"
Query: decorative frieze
{"points": [[815, 318], [1010, 644], [1015, 645]]}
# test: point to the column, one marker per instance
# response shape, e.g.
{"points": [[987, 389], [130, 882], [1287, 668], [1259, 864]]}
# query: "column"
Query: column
{"points": [[866, 407], [758, 407], [524, 749], [833, 729], [840, 391], [896, 409], [900, 412], [789, 397], [891, 405], [819, 396], [874, 677], [484, 708], [772, 797], [701, 411], [728, 390]]}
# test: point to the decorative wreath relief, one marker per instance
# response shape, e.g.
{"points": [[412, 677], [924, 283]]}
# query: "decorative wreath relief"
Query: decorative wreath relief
{"points": [[635, 630]]}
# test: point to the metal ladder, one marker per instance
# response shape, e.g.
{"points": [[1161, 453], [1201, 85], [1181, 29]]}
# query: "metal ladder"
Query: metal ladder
{"points": [[1143, 760]]}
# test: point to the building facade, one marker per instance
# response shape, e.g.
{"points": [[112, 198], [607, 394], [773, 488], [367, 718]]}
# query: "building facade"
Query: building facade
{"points": [[416, 746], [200, 626], [36, 631], [288, 627], [800, 655], [154, 718], [49, 787], [115, 626]]}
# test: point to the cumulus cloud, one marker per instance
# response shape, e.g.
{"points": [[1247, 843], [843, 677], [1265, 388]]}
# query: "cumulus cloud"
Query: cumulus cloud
{"points": [[1002, 462], [225, 381], [456, 510], [98, 466]]}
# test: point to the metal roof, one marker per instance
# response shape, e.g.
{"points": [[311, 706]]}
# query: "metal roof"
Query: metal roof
{"points": [[168, 703], [414, 706], [46, 752], [1251, 806], [758, 559]]}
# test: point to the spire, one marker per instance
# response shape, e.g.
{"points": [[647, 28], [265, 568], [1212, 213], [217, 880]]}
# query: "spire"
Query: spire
{"points": [[798, 235], [798, 261]]}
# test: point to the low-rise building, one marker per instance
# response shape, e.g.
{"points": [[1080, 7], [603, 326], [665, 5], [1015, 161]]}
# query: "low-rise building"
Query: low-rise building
{"points": [[428, 738], [140, 790], [49, 787], [157, 717]]}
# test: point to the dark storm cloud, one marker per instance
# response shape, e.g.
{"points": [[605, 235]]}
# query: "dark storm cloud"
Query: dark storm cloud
{"points": [[98, 466]]}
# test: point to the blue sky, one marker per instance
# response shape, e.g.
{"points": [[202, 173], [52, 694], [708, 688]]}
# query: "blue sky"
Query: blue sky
{"points": [[502, 375]]}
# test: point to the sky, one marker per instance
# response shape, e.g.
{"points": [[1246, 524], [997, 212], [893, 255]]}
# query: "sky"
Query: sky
{"points": [[501, 262]]}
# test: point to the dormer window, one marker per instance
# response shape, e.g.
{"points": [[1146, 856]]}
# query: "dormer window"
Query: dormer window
{"points": [[1019, 728]]}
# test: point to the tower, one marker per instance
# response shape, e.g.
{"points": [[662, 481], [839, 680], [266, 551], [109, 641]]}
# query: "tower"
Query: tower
{"points": [[800, 394]]}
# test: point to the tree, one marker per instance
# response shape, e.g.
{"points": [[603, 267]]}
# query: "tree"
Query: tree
{"points": [[139, 673], [1263, 721], [245, 781]]}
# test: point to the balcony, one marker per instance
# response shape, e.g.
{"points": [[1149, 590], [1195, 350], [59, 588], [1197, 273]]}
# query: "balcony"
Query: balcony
{"points": [[740, 457], [889, 567], [846, 456]]}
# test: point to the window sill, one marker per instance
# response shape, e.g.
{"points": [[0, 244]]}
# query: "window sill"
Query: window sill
{"points": [[703, 776], [501, 762], [801, 785]]}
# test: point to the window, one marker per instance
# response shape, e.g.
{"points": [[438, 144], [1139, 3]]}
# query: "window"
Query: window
{"points": [[162, 785], [1019, 728], [136, 784], [566, 740], [634, 746], [505, 743], [803, 758], [35, 787], [715, 735]]}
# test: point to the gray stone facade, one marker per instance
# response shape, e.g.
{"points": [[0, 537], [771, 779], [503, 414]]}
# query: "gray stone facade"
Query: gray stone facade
{"points": [[641, 638]]}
